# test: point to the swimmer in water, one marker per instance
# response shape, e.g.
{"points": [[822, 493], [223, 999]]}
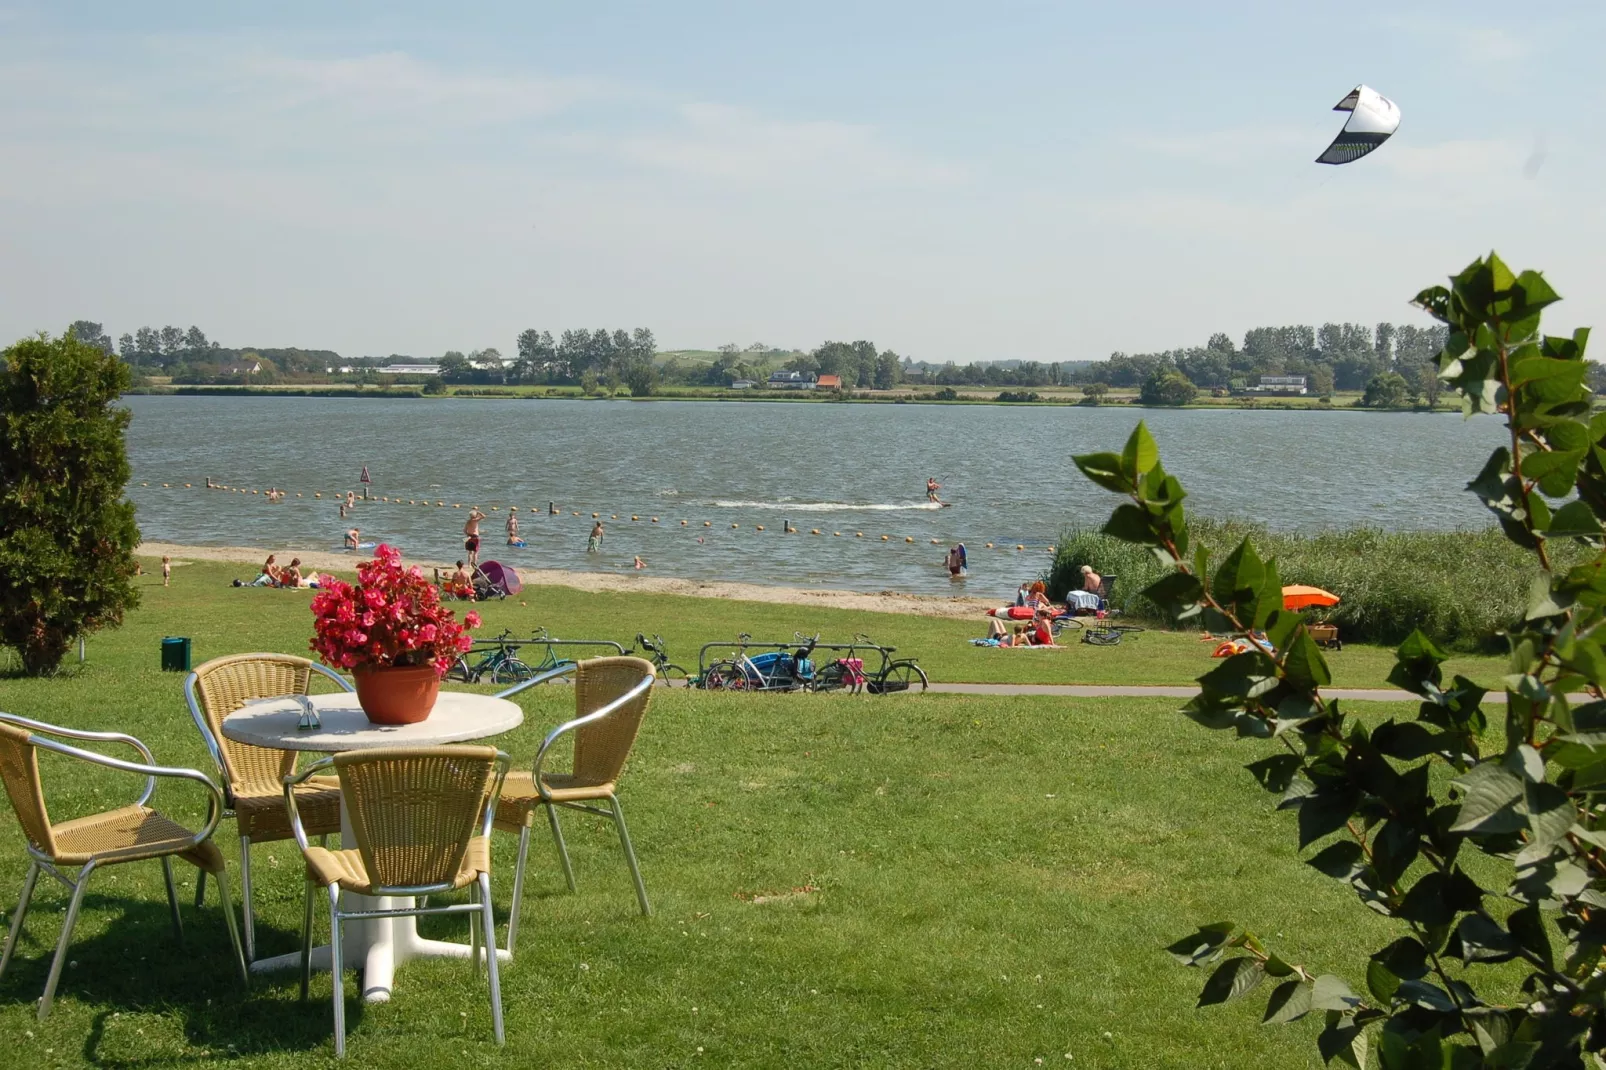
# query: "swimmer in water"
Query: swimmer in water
{"points": [[352, 537], [932, 487], [640, 563], [471, 536], [513, 526]]}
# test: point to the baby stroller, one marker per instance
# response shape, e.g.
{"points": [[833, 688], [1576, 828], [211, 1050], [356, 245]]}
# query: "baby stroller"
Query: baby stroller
{"points": [[495, 580]]}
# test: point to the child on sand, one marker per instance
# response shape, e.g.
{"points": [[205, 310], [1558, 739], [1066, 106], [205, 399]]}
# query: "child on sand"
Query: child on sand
{"points": [[167, 570]]}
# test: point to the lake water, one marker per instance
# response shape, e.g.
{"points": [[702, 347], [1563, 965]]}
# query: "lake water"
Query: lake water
{"points": [[839, 468]]}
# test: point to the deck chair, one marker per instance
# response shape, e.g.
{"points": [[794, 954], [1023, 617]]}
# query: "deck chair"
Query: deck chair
{"points": [[133, 833], [422, 820], [610, 698], [253, 776]]}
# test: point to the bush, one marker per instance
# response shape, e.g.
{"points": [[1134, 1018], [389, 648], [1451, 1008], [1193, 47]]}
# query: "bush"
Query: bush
{"points": [[1019, 395], [1167, 388], [434, 385], [67, 535], [1387, 390], [1389, 582], [947, 393]]}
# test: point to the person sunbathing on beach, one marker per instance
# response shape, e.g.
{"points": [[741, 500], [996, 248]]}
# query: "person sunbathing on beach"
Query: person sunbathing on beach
{"points": [[270, 573], [461, 583], [291, 576]]}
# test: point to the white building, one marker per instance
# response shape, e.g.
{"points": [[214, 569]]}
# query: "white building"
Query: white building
{"points": [[410, 369]]}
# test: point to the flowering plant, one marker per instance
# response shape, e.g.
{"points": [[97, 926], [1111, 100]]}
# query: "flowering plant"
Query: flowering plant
{"points": [[391, 616]]}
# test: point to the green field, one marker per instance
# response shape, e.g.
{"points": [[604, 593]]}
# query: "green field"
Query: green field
{"points": [[935, 880]]}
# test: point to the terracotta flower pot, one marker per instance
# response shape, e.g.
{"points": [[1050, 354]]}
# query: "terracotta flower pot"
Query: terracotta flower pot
{"points": [[397, 694]]}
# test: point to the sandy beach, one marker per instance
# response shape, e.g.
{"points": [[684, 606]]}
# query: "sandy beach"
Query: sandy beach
{"points": [[882, 602]]}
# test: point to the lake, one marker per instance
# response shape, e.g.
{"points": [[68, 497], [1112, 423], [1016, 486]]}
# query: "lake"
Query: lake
{"points": [[838, 468]]}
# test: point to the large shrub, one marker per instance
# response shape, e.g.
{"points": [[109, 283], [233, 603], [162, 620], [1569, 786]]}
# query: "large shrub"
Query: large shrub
{"points": [[1457, 587], [1167, 388], [1478, 833], [67, 535]]}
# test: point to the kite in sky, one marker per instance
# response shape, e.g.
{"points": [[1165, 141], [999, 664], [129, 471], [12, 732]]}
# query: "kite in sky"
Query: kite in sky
{"points": [[1373, 118]]}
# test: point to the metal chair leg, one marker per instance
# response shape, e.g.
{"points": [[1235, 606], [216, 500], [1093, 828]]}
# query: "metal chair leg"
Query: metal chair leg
{"points": [[233, 927], [563, 850], [200, 888], [474, 932], [492, 971], [21, 912], [245, 899], [337, 968], [306, 941], [630, 855], [518, 888], [66, 939], [172, 898]]}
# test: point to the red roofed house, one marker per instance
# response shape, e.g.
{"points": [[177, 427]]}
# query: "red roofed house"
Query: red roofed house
{"points": [[830, 382]]}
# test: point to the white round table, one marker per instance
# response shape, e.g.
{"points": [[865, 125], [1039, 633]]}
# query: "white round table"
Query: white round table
{"points": [[375, 946]]}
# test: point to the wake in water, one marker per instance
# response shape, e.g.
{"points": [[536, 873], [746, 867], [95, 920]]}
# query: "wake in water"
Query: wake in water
{"points": [[832, 507]]}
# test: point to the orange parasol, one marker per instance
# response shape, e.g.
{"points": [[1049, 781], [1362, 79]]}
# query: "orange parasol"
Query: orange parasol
{"points": [[1299, 596]]}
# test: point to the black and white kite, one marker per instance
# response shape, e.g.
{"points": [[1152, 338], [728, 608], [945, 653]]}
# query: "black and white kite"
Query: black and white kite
{"points": [[1373, 118]]}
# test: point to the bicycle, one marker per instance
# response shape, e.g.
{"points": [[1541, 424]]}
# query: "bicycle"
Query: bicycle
{"points": [[777, 670], [667, 670], [499, 663], [904, 674], [1104, 633]]}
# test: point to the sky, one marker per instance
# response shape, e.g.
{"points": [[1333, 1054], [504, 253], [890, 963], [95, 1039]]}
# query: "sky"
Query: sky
{"points": [[1050, 181]]}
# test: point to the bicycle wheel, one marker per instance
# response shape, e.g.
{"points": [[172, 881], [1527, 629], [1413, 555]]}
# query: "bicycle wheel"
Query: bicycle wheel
{"points": [[460, 671], [900, 676], [1062, 624], [511, 671], [1102, 636], [724, 676], [831, 678], [672, 672]]}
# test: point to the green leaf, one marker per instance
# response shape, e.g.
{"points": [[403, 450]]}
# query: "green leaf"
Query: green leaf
{"points": [[1132, 524], [1289, 1002], [1141, 453], [1303, 666], [1202, 945], [1573, 520], [1330, 993], [1232, 980], [1489, 797], [1276, 772], [1326, 811], [1105, 470], [1408, 741], [1550, 812], [1403, 960], [1342, 861], [1175, 592], [1240, 574], [1342, 1039], [1484, 941]]}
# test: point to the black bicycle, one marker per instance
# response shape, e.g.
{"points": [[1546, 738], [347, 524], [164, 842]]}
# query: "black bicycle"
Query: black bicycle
{"points": [[498, 663], [1104, 633], [659, 655]]}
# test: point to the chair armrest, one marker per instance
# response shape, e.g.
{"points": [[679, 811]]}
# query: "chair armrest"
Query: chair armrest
{"points": [[550, 674], [46, 729], [151, 772], [595, 715], [345, 685], [290, 783], [488, 819]]}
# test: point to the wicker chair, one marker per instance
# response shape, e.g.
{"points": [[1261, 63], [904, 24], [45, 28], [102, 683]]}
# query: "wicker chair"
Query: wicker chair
{"points": [[133, 833], [422, 821], [253, 776], [610, 698]]}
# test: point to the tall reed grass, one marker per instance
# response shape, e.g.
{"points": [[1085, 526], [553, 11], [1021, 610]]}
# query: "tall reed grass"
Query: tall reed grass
{"points": [[1459, 587]]}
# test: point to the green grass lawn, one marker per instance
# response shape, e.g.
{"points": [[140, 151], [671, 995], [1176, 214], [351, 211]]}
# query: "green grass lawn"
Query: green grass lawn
{"points": [[216, 616], [936, 880]]}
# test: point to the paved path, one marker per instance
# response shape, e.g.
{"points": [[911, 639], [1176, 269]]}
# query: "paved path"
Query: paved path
{"points": [[1119, 691]]}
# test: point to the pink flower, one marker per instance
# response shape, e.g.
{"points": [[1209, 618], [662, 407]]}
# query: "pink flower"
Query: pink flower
{"points": [[471, 619]]}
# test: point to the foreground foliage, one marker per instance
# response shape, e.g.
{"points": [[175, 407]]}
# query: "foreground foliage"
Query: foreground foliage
{"points": [[1479, 858], [67, 534]]}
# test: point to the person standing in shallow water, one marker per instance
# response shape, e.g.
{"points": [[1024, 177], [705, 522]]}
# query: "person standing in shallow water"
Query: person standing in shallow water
{"points": [[471, 536], [594, 543]]}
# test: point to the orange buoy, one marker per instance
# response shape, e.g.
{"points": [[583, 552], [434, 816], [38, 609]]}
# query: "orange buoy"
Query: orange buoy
{"points": [[1020, 547], [682, 523], [989, 546], [884, 538], [708, 523], [761, 527], [838, 534], [635, 518], [909, 538], [655, 520], [594, 516], [735, 525], [816, 531], [858, 534]]}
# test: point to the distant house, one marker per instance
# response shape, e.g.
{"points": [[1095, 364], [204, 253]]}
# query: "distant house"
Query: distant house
{"points": [[742, 384], [830, 382], [409, 369], [1288, 385], [245, 367], [785, 380]]}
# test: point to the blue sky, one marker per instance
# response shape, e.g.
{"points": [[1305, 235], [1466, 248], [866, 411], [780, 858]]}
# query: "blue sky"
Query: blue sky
{"points": [[1045, 181]]}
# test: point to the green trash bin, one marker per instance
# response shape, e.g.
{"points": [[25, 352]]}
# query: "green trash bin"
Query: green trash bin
{"points": [[175, 654]]}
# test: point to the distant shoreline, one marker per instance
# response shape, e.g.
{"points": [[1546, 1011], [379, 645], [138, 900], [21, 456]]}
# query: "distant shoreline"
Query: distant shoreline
{"points": [[1280, 404]]}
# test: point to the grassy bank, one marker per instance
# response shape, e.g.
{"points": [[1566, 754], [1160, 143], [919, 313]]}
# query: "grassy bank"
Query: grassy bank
{"points": [[1458, 587], [203, 605], [922, 881]]}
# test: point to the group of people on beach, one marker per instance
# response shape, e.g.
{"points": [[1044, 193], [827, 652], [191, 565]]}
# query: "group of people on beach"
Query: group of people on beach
{"points": [[274, 574], [1038, 629]]}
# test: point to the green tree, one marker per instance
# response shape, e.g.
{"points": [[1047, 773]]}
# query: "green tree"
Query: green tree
{"points": [[641, 377], [1167, 388], [87, 331], [1388, 390], [67, 535], [888, 371], [1483, 844]]}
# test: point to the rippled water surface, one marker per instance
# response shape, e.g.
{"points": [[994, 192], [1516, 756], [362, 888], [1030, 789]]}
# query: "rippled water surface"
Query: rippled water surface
{"points": [[838, 468]]}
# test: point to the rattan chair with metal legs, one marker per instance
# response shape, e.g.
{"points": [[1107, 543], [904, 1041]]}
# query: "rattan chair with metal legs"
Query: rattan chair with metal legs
{"points": [[253, 777], [133, 833], [610, 698], [422, 820]]}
